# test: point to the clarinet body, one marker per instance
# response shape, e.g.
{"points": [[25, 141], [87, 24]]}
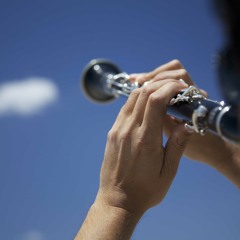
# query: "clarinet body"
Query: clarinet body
{"points": [[102, 81]]}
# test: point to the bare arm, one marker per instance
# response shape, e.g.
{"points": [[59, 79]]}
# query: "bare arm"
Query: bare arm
{"points": [[107, 222], [137, 170], [218, 153]]}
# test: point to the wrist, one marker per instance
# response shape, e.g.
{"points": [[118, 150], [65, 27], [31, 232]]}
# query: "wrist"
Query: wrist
{"points": [[118, 200], [107, 222], [116, 211], [113, 222]]}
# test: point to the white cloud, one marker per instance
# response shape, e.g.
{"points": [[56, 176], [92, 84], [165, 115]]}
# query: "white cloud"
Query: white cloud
{"points": [[27, 96], [33, 235]]}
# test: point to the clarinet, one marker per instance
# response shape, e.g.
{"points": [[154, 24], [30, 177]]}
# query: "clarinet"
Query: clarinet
{"points": [[102, 81]]}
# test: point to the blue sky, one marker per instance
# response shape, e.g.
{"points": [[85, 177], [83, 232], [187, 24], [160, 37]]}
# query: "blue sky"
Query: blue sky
{"points": [[51, 151]]}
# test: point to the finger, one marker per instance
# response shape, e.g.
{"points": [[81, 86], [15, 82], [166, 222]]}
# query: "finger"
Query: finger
{"points": [[174, 149], [174, 74], [134, 76], [157, 102], [127, 109], [172, 65], [169, 124], [141, 103], [204, 93], [131, 101]]}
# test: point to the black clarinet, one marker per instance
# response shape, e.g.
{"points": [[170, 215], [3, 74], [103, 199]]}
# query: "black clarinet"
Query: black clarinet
{"points": [[102, 81]]}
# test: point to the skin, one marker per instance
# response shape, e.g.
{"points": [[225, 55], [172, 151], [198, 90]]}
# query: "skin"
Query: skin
{"points": [[137, 169], [222, 155]]}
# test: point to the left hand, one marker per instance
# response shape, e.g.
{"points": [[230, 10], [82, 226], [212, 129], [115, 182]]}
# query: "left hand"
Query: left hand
{"points": [[138, 170]]}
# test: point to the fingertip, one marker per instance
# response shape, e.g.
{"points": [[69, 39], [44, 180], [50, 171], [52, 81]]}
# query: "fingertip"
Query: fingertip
{"points": [[133, 75], [184, 84], [180, 136], [204, 93], [184, 129]]}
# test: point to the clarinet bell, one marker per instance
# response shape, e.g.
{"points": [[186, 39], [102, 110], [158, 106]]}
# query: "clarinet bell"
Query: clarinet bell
{"points": [[94, 78]]}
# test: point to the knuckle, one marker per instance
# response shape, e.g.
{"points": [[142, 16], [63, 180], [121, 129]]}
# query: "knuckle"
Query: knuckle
{"points": [[118, 136], [183, 72], [179, 144], [175, 85], [155, 98], [176, 63], [146, 91], [172, 84], [126, 109], [112, 135], [160, 76], [124, 136], [135, 92], [140, 142], [141, 78]]}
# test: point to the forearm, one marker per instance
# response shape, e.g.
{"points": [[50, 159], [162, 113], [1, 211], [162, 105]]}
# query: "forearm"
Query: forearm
{"points": [[224, 157], [230, 163], [108, 223]]}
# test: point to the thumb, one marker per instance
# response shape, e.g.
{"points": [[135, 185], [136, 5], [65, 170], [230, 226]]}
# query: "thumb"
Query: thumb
{"points": [[174, 149]]}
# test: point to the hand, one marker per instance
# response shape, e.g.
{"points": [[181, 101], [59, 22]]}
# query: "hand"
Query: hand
{"points": [[175, 70], [138, 170], [223, 156]]}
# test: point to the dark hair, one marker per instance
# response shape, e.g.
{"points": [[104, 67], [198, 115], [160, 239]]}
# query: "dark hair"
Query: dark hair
{"points": [[229, 12], [229, 67]]}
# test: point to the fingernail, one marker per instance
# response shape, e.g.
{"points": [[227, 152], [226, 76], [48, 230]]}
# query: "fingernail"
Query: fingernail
{"points": [[183, 82], [204, 93], [172, 101], [133, 75], [146, 83], [189, 129]]}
